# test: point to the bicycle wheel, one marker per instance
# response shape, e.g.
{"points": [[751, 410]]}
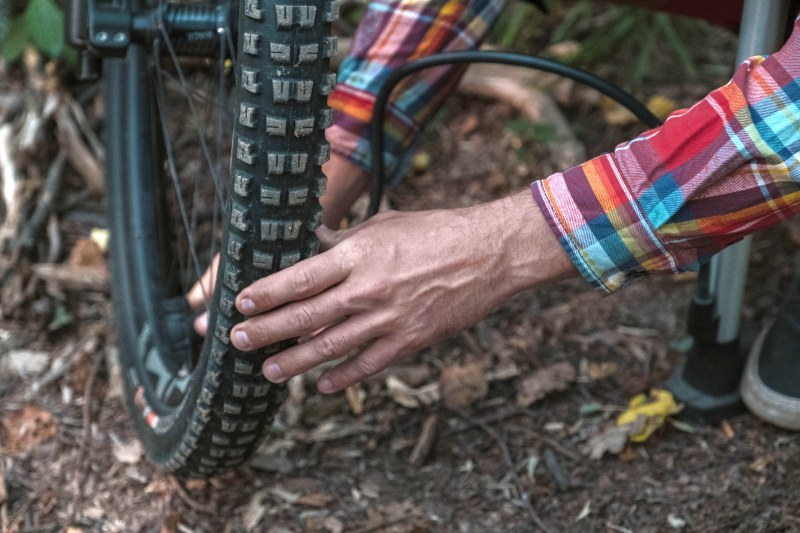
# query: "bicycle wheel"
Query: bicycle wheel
{"points": [[199, 405]]}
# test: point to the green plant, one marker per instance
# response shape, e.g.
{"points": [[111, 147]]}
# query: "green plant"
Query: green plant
{"points": [[628, 35], [40, 24], [519, 27]]}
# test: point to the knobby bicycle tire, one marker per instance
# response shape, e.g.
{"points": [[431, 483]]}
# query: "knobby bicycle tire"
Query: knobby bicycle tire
{"points": [[271, 212]]}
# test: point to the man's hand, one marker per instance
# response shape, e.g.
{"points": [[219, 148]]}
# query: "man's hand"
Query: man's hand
{"points": [[396, 284]]}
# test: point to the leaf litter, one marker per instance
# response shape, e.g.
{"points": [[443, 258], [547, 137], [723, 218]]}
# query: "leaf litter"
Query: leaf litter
{"points": [[344, 451]]}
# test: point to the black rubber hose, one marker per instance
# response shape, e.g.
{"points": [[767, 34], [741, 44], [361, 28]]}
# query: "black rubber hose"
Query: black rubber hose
{"points": [[605, 87]]}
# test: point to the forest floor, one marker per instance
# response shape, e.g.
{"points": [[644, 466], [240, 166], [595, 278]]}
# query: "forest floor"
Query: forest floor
{"points": [[70, 461]]}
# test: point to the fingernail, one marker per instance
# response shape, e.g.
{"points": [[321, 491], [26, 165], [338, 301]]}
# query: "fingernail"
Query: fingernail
{"points": [[242, 339], [273, 372], [325, 385], [247, 305]]}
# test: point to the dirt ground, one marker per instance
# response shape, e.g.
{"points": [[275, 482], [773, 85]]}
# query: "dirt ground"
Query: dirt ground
{"points": [[70, 460]]}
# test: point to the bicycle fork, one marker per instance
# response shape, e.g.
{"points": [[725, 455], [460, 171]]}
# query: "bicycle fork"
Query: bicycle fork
{"points": [[100, 30]]}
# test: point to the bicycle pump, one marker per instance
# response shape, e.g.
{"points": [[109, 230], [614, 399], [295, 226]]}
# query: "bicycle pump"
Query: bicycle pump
{"points": [[707, 384]]}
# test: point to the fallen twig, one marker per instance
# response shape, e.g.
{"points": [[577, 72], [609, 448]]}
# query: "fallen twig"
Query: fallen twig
{"points": [[383, 525], [11, 184], [80, 156], [52, 186], [63, 363], [77, 278], [86, 431], [54, 238], [95, 144], [424, 444], [187, 499], [523, 496], [551, 462]]}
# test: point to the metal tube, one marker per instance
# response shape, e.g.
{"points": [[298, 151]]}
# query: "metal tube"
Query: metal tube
{"points": [[763, 22]]}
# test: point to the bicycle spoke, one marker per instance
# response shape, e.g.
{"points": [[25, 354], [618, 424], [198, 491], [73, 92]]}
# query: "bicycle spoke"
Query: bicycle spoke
{"points": [[201, 132], [190, 236], [199, 95]]}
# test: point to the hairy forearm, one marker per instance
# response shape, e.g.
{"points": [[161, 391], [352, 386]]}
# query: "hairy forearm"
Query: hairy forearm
{"points": [[396, 284], [527, 250]]}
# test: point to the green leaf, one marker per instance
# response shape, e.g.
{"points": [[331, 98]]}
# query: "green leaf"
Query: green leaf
{"points": [[17, 37], [684, 56], [680, 425], [61, 318], [46, 26], [590, 408]]}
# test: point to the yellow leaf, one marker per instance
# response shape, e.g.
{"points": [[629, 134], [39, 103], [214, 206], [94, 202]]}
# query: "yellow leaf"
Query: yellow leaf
{"points": [[615, 114], [421, 161], [661, 106], [654, 408]]}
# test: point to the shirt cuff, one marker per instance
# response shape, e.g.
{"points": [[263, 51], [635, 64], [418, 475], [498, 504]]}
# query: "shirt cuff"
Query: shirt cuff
{"points": [[601, 225]]}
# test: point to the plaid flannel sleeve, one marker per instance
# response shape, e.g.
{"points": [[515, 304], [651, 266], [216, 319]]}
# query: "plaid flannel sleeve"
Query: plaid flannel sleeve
{"points": [[674, 196], [392, 33]]}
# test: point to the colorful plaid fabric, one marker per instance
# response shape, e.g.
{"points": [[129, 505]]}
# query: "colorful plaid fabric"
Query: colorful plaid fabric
{"points": [[669, 199], [392, 33]]}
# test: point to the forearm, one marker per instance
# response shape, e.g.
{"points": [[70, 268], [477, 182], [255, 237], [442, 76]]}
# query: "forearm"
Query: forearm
{"points": [[518, 237], [669, 199], [395, 284]]}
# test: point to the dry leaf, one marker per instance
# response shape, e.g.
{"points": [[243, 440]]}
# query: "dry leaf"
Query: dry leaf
{"points": [[283, 494], [380, 514], [675, 522], [159, 485], [128, 453], [3, 488], [502, 372], [27, 428], [469, 125], [315, 499], [654, 408], [254, 511], [727, 429], [421, 161], [412, 375], [25, 363], [645, 414], [332, 525], [355, 397], [612, 439], [661, 106], [615, 114], [462, 385], [600, 371], [86, 252], [761, 464], [170, 523], [411, 397], [195, 484], [564, 50], [79, 278], [542, 382]]}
